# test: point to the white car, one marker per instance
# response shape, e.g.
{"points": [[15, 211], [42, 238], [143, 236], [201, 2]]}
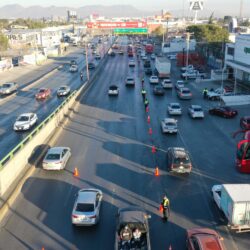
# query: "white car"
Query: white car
{"points": [[167, 84], [25, 121], [113, 90], [8, 88], [130, 81], [216, 94], [86, 210], [179, 84], [73, 68], [195, 111], [169, 125], [144, 58], [174, 108], [131, 63], [56, 158], [63, 90], [154, 79]]}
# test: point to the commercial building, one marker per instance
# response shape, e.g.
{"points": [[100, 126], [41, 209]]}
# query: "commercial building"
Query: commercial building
{"points": [[237, 59]]}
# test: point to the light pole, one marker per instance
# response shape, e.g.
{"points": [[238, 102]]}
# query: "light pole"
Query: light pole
{"points": [[87, 62], [188, 38]]}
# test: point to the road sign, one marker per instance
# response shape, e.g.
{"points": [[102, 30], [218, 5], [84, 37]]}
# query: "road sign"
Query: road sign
{"points": [[131, 31], [196, 5]]}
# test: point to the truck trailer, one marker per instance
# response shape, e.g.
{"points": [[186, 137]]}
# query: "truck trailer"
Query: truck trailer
{"points": [[163, 67]]}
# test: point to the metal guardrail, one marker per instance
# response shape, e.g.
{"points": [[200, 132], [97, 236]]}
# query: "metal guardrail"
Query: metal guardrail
{"points": [[18, 147]]}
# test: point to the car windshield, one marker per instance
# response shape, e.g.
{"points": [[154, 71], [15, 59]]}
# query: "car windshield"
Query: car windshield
{"points": [[23, 119], [186, 91], [170, 123], [63, 88], [53, 157], [198, 109], [113, 88], [130, 79], [181, 159], [175, 106], [41, 90], [6, 85], [84, 207]]}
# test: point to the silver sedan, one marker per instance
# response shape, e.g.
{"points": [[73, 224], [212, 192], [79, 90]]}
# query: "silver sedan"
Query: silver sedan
{"points": [[63, 90]]}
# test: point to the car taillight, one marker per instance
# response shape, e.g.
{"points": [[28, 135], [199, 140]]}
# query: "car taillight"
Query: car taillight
{"points": [[74, 216], [92, 217]]}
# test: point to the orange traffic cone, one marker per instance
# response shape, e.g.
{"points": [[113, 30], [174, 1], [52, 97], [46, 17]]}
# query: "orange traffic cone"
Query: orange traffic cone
{"points": [[161, 208], [76, 173], [150, 131], [153, 149], [148, 119], [157, 171]]}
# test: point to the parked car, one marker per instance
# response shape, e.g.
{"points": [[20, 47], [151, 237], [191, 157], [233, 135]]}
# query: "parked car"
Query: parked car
{"points": [[245, 122], [43, 93], [184, 93], [132, 229], [86, 210], [223, 111], [174, 108], [195, 111], [169, 125], [179, 84], [91, 65], [56, 158], [154, 79], [25, 121], [203, 239], [8, 88], [131, 63], [63, 90], [130, 81], [167, 84], [158, 90], [178, 160], [73, 68], [113, 90]]}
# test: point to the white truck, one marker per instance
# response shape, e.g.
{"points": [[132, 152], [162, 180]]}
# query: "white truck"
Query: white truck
{"points": [[163, 67], [234, 201]]}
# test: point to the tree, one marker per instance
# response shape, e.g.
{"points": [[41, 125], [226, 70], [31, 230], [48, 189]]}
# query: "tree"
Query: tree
{"points": [[3, 42], [158, 31]]}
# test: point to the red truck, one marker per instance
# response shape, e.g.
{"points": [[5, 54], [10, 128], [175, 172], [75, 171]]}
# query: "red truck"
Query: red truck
{"points": [[149, 48]]}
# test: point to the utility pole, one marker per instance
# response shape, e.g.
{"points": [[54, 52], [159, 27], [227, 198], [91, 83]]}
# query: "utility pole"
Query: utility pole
{"points": [[87, 62], [187, 39]]}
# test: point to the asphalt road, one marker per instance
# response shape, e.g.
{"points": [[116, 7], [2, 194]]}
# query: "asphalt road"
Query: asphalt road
{"points": [[24, 100], [110, 146]]}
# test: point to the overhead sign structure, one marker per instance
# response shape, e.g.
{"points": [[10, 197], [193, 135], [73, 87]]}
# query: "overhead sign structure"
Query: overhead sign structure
{"points": [[131, 31], [113, 25], [196, 5]]}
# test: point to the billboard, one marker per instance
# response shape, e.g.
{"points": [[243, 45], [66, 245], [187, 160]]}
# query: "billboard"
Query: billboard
{"points": [[113, 25], [131, 31]]}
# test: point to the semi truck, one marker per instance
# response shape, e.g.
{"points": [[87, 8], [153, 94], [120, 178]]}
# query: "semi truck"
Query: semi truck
{"points": [[163, 67], [234, 201]]}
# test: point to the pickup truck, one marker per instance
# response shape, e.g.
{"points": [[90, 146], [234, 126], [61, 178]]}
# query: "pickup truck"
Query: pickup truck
{"points": [[193, 74], [132, 230]]}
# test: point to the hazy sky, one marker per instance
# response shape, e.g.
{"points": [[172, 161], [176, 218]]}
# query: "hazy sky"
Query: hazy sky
{"points": [[231, 7]]}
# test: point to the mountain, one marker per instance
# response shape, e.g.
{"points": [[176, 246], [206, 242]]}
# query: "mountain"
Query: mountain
{"points": [[36, 11]]}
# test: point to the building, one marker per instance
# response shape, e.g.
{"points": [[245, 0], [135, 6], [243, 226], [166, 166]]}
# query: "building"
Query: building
{"points": [[237, 59]]}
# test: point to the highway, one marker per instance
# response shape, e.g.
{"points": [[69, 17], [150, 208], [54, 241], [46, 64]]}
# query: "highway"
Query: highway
{"points": [[24, 100], [111, 147]]}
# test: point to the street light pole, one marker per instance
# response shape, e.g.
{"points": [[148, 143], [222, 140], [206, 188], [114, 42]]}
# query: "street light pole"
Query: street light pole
{"points": [[188, 38], [87, 62]]}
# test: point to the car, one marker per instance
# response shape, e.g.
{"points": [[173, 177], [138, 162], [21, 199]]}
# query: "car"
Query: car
{"points": [[245, 122], [195, 111], [203, 239], [215, 94], [153, 56], [172, 57], [154, 79], [193, 74], [8, 88], [132, 229], [190, 67], [73, 62], [112, 53], [223, 111], [167, 84], [144, 58], [113, 90], [97, 57], [63, 90], [179, 84], [148, 71], [43, 93], [73, 68], [56, 158], [184, 93], [25, 121], [158, 90], [94, 51], [131, 63], [86, 209], [120, 52], [178, 160], [91, 65], [174, 108], [169, 125], [130, 53], [130, 81]]}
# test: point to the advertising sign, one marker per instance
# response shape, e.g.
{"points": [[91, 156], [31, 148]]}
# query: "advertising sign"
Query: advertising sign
{"points": [[131, 31], [113, 25]]}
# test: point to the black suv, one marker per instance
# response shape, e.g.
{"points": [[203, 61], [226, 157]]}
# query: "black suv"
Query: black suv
{"points": [[178, 160]]}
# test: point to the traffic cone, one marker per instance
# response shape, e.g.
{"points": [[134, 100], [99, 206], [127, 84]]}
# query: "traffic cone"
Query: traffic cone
{"points": [[43, 248], [150, 131], [76, 173], [157, 171], [153, 149], [148, 119], [147, 109], [161, 208]]}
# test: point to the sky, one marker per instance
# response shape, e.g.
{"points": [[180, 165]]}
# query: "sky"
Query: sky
{"points": [[230, 7]]}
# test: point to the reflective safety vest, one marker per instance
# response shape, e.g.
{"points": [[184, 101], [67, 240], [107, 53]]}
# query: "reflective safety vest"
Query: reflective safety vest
{"points": [[165, 202], [146, 102], [143, 92]]}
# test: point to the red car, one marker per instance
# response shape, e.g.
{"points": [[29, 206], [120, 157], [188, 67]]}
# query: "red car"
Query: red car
{"points": [[225, 112], [203, 239], [43, 93], [245, 122]]}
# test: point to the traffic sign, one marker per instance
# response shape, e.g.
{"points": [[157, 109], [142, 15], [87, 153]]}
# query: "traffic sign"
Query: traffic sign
{"points": [[123, 31]]}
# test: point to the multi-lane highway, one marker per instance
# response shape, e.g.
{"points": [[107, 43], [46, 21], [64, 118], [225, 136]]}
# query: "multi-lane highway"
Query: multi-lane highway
{"points": [[111, 148]]}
